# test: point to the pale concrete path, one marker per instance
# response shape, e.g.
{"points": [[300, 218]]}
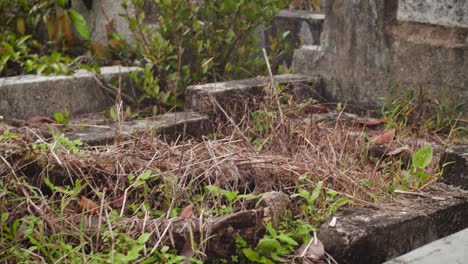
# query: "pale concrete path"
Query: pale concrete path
{"points": [[448, 250]]}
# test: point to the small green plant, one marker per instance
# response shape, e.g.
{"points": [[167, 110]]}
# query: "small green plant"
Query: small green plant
{"points": [[330, 202], [231, 198], [70, 145], [198, 41], [420, 113], [62, 117], [271, 247]]}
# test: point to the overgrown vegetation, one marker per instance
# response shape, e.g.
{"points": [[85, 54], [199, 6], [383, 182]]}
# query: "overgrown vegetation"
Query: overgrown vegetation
{"points": [[118, 203], [153, 200], [199, 41]]}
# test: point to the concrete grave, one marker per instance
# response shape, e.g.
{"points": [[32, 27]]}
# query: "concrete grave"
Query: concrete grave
{"points": [[368, 53], [25, 96], [198, 97], [170, 125], [455, 164], [373, 236]]}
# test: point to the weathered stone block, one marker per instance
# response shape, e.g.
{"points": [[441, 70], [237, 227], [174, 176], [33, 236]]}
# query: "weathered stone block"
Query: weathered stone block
{"points": [[304, 28], [456, 166], [31, 95], [452, 13], [451, 249], [370, 236], [170, 125], [199, 97]]}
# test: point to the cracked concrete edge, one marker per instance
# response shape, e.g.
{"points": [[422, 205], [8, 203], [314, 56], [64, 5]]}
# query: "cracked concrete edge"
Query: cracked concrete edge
{"points": [[363, 235], [198, 97], [25, 96], [455, 163], [171, 126]]}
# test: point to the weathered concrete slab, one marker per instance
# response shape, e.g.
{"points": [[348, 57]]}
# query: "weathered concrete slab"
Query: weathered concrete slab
{"points": [[304, 27], [104, 13], [371, 236], [453, 13], [32, 95], [451, 249], [305, 57], [456, 166], [170, 125], [198, 97]]}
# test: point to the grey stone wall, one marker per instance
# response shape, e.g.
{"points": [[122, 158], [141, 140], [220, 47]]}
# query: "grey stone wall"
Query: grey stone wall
{"points": [[368, 53], [437, 12], [105, 13]]}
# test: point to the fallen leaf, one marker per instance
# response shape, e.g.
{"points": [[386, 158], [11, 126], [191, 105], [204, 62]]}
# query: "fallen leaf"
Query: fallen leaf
{"points": [[36, 120], [383, 138], [187, 212], [399, 151], [88, 205], [369, 121], [314, 108], [314, 250], [118, 202]]}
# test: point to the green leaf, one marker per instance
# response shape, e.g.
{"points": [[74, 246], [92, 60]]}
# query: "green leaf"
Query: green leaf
{"points": [[286, 239], [229, 195], [315, 194], [251, 254], [269, 245], [215, 190], [143, 238], [423, 157], [80, 23]]}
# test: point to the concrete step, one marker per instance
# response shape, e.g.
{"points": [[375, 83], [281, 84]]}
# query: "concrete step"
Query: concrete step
{"points": [[172, 126], [305, 58], [363, 235], [451, 249], [241, 92], [31, 95], [304, 27]]}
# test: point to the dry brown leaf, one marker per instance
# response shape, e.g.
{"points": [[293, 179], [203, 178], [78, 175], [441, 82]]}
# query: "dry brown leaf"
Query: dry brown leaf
{"points": [[399, 151], [368, 121], [383, 138], [36, 120], [314, 108], [118, 202], [187, 212], [87, 205]]}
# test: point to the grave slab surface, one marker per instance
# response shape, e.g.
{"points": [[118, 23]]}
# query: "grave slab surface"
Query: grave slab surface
{"points": [[171, 125], [25, 96], [451, 249], [198, 96], [364, 235]]}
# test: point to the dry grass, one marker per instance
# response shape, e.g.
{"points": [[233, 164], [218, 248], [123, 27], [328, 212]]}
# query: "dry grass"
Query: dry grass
{"points": [[238, 157]]}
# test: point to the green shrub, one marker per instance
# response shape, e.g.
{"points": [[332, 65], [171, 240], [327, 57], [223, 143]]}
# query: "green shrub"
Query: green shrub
{"points": [[199, 42]]}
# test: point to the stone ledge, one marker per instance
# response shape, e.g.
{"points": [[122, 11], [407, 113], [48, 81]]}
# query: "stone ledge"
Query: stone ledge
{"points": [[170, 125], [305, 58], [369, 236], [451, 249], [32, 95], [198, 97], [456, 164], [301, 14]]}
